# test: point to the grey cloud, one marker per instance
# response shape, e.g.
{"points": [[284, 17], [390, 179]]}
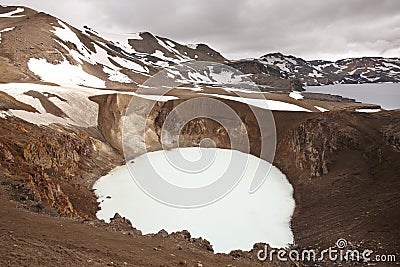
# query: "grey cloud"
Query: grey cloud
{"points": [[248, 28]]}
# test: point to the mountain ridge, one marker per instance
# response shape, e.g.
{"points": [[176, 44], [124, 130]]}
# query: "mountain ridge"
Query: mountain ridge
{"points": [[125, 61], [324, 72]]}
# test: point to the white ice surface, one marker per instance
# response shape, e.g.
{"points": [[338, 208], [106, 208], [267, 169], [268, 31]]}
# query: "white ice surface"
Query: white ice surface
{"points": [[236, 221]]}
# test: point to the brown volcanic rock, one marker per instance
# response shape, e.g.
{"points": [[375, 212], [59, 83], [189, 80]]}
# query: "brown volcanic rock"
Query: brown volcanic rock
{"points": [[46, 190], [58, 164], [121, 224], [391, 134], [110, 118], [312, 143], [19, 45], [111, 125], [356, 198]]}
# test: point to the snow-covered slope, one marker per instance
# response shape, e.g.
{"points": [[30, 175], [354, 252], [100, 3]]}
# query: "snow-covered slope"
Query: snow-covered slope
{"points": [[61, 54], [58, 104]]}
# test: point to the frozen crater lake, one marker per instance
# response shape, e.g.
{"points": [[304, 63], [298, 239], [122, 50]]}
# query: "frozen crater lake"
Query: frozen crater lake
{"points": [[236, 220]]}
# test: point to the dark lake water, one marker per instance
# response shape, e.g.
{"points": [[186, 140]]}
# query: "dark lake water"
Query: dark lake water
{"points": [[387, 95]]}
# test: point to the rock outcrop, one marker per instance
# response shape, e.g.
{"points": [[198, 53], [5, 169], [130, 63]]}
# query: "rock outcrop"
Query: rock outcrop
{"points": [[59, 165], [322, 72], [392, 136], [315, 144], [144, 127], [311, 144], [267, 77]]}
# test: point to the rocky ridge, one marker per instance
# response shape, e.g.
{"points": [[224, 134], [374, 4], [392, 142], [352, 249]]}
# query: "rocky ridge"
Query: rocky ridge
{"points": [[102, 60], [322, 72]]}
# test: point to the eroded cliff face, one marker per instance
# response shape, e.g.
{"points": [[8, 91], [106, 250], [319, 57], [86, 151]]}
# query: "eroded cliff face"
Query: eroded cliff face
{"points": [[145, 127], [110, 118], [315, 145], [391, 134], [312, 144], [54, 165]]}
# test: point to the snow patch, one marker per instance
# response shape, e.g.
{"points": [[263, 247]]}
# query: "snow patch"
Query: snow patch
{"points": [[296, 95], [192, 46], [122, 40], [67, 35], [161, 98], [5, 114], [316, 74], [161, 55], [12, 14], [116, 75], [38, 118], [131, 65], [321, 109], [7, 29], [78, 108], [171, 44], [224, 76], [63, 74], [264, 103], [365, 110]]}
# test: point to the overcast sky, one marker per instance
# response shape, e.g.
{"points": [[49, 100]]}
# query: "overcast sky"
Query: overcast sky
{"points": [[312, 29]]}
